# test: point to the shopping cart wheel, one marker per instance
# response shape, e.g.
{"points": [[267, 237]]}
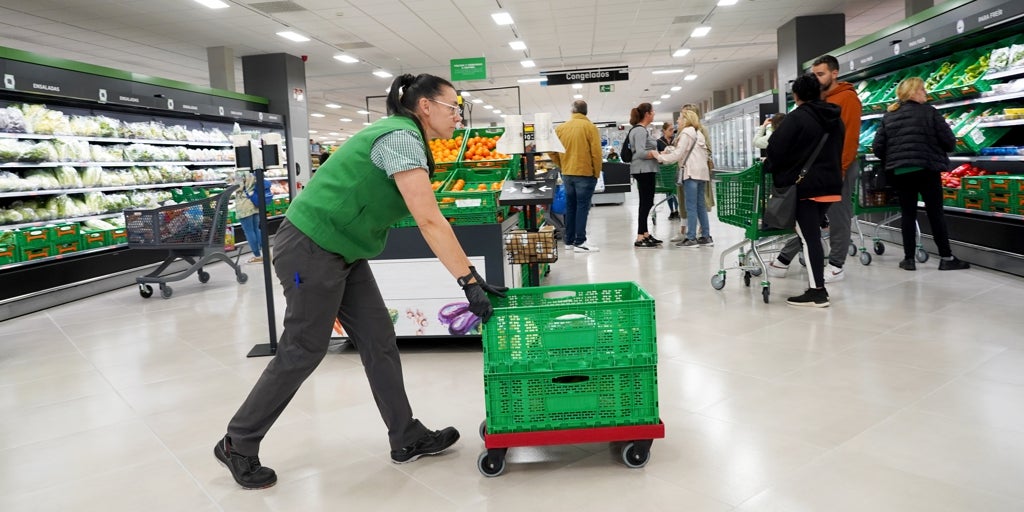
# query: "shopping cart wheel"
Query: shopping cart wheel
{"points": [[865, 258], [146, 291], [491, 463], [879, 247], [166, 291], [921, 255], [635, 456], [204, 276], [483, 428], [765, 293], [853, 249], [718, 281], [242, 278], [746, 278]]}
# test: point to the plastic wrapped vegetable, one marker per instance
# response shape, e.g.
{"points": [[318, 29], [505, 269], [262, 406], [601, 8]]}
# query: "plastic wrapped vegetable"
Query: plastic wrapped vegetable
{"points": [[94, 203], [108, 127], [1016, 56], [91, 176], [1000, 59], [98, 225], [39, 152], [11, 150], [72, 150], [39, 119], [41, 179], [84, 126], [12, 120], [10, 182], [68, 177]]}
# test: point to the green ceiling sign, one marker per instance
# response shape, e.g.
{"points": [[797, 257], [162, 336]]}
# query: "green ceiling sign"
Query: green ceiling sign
{"points": [[469, 69]]}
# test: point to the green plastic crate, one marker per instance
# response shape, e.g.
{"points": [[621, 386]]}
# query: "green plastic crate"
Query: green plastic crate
{"points": [[524, 402], [93, 239], [1002, 184], [952, 197], [33, 238], [976, 203], [8, 254], [66, 233], [571, 326], [34, 253], [117, 236], [64, 248]]}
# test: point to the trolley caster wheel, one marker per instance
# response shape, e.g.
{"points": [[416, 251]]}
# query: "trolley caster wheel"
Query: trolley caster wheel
{"points": [[718, 281], [483, 429], [765, 293], [921, 255], [146, 291], [746, 278], [756, 271], [204, 276], [166, 291], [491, 465], [242, 278], [865, 258], [853, 249], [635, 456], [879, 248]]}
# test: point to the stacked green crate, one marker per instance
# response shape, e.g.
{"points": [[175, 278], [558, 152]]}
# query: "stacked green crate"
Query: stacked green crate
{"points": [[996, 193], [571, 357], [8, 248], [970, 137], [470, 196]]}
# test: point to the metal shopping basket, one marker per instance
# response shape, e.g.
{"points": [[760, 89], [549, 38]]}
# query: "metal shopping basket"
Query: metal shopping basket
{"points": [[187, 231], [872, 195], [741, 198], [665, 183]]}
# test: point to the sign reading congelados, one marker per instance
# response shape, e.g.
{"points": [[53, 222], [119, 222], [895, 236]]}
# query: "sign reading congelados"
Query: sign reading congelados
{"points": [[585, 76]]}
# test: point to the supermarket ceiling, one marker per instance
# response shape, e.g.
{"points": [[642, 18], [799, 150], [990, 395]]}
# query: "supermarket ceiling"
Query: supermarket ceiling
{"points": [[169, 39]]}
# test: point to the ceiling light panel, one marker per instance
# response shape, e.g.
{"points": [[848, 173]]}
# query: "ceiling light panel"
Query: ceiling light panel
{"points": [[682, 52], [347, 59], [293, 36], [383, 74], [527, 63], [700, 31], [213, 4], [502, 18], [332, 105], [517, 45]]}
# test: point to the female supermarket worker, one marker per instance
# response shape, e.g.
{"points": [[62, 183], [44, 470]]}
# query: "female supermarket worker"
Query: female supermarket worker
{"points": [[339, 221]]}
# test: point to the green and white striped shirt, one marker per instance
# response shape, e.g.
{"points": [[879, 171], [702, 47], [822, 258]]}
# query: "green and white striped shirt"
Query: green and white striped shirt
{"points": [[399, 151]]}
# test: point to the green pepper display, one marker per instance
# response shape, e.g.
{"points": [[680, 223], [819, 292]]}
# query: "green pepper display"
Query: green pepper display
{"points": [[936, 78], [973, 72]]}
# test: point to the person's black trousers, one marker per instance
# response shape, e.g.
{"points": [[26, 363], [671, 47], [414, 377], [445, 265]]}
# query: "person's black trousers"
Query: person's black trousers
{"points": [[928, 185], [645, 187], [809, 215]]}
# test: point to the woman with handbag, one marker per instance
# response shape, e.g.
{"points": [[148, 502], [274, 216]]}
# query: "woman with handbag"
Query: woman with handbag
{"points": [[694, 175], [913, 140], [806, 153]]}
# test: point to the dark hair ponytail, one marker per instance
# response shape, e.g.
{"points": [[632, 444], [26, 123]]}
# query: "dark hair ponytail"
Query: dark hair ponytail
{"points": [[637, 114], [406, 92]]}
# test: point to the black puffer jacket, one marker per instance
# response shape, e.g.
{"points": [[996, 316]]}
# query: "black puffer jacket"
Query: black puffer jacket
{"points": [[794, 141], [914, 135]]}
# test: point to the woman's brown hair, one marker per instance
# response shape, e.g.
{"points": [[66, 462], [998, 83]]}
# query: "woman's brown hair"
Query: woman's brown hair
{"points": [[637, 114]]}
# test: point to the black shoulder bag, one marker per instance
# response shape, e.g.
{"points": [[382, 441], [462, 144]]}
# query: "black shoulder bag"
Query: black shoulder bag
{"points": [[626, 154], [780, 209]]}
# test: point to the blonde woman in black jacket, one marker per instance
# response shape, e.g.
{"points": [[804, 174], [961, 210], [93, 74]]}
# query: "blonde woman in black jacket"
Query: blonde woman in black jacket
{"points": [[913, 141]]}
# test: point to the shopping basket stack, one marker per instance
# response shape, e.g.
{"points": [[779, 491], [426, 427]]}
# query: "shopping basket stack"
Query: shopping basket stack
{"points": [[190, 230], [570, 364], [741, 198]]}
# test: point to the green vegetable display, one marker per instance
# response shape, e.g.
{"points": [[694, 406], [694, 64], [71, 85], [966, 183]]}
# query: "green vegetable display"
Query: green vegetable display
{"points": [[938, 76], [973, 72]]}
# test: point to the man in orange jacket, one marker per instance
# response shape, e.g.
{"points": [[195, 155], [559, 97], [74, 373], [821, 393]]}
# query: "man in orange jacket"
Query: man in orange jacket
{"points": [[840, 214]]}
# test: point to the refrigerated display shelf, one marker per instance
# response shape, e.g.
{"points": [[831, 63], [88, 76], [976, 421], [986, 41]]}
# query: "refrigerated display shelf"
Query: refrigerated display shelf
{"points": [[984, 213], [38, 223], [981, 99], [986, 158], [1006, 73], [26, 165], [993, 124], [120, 140], [65, 256], [34, 193]]}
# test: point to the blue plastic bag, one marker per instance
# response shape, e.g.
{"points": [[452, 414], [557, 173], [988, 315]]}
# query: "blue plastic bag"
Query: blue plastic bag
{"points": [[558, 203]]}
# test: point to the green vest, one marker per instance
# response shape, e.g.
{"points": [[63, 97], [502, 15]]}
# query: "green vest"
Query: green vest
{"points": [[349, 203]]}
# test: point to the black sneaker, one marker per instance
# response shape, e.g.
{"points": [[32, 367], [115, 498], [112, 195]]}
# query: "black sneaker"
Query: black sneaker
{"points": [[953, 264], [908, 264], [705, 241], [433, 443], [644, 242], [812, 298], [246, 469], [673, 216], [655, 240]]}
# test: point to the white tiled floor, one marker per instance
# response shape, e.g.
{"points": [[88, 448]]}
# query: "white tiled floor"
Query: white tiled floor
{"points": [[905, 395]]}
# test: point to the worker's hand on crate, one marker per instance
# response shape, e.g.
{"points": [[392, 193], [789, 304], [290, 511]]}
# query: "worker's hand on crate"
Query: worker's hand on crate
{"points": [[476, 290]]}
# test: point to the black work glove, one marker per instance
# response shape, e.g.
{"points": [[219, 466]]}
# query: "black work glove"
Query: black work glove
{"points": [[476, 294]]}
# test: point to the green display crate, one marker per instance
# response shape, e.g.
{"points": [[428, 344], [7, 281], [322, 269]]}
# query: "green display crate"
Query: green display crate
{"points": [[976, 203], [34, 253], [960, 86], [33, 238], [570, 326], [524, 402], [117, 236], [1001, 184], [66, 233], [8, 254], [93, 239], [64, 248], [938, 90], [952, 197]]}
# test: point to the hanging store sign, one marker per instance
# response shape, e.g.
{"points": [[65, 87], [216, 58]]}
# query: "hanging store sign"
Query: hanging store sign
{"points": [[587, 76], [469, 69]]}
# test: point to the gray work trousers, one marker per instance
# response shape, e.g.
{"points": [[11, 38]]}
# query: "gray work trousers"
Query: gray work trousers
{"points": [[319, 287], [840, 222]]}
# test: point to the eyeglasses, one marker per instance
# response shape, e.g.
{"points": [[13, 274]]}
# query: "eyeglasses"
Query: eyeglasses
{"points": [[454, 108]]}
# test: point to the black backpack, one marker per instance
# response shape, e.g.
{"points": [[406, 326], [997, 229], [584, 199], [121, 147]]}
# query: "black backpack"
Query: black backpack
{"points": [[626, 155]]}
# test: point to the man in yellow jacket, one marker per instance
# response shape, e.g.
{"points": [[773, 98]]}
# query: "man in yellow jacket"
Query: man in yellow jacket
{"points": [[580, 166]]}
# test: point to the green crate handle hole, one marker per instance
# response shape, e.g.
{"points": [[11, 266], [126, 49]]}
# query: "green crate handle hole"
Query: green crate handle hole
{"points": [[570, 379]]}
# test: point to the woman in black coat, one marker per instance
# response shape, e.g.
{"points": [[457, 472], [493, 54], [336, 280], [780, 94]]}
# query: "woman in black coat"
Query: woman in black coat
{"points": [[912, 141], [791, 147]]}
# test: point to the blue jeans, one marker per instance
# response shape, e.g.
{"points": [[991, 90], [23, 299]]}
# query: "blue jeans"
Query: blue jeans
{"points": [[251, 226], [578, 192], [696, 208], [673, 203]]}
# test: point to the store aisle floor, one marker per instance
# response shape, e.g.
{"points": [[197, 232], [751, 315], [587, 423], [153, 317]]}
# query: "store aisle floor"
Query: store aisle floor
{"points": [[905, 395]]}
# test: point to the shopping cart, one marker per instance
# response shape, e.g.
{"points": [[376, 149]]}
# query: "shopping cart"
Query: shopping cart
{"points": [[741, 198], [188, 231], [872, 195], [665, 183]]}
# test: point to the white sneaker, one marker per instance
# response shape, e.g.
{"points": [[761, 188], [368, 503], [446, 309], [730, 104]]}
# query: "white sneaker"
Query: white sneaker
{"points": [[777, 269], [585, 248], [833, 274]]}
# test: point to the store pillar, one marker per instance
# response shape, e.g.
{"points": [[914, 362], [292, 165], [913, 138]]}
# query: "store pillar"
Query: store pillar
{"points": [[281, 78], [806, 38], [221, 61]]}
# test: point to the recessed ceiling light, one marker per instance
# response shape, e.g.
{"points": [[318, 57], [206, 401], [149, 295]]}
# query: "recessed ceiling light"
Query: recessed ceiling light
{"points": [[293, 36], [690, 77], [532, 80], [465, 94], [333, 133], [577, 96], [363, 112], [332, 105], [346, 120], [503, 115], [517, 45], [367, 123], [681, 52], [496, 111], [667, 71], [577, 86], [477, 101], [488, 107], [675, 88], [347, 59], [656, 102], [383, 74], [666, 96], [502, 18], [316, 114], [727, 2], [528, 63], [700, 31], [213, 4], [313, 131]]}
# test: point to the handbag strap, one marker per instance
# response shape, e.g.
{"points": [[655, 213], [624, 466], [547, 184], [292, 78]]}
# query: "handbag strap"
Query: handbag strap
{"points": [[687, 157], [807, 166]]}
